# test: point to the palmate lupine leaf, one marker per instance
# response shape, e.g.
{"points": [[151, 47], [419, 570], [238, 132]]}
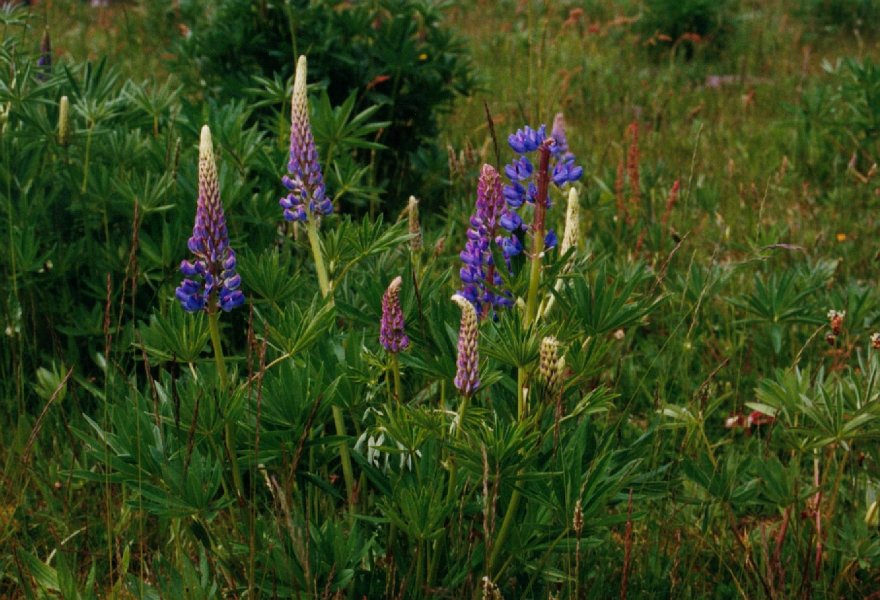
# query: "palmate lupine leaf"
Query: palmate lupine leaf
{"points": [[350, 243], [174, 336], [269, 276], [294, 330], [604, 303], [335, 128], [780, 299], [511, 342]]}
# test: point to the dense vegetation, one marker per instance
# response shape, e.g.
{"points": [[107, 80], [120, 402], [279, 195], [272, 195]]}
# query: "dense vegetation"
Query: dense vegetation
{"points": [[631, 353]]}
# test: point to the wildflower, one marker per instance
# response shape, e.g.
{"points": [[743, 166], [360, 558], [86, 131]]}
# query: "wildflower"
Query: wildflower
{"points": [[577, 520], [415, 230], [214, 262], [549, 361], [632, 167], [467, 375], [478, 273], [392, 334], [548, 357], [526, 185], [875, 340], [63, 121], [305, 182], [490, 591], [835, 319], [44, 62], [758, 418], [670, 203], [755, 418]]}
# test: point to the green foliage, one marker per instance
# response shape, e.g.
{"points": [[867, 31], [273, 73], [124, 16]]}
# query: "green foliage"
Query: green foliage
{"points": [[391, 57], [844, 14], [838, 121], [689, 26], [707, 427]]}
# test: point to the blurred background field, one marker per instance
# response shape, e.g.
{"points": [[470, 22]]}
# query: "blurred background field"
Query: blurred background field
{"points": [[721, 383]]}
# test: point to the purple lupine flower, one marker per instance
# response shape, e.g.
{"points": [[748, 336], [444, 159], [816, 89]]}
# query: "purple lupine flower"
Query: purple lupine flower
{"points": [[214, 263], [44, 62], [479, 275], [307, 195], [467, 372], [523, 176], [392, 332]]}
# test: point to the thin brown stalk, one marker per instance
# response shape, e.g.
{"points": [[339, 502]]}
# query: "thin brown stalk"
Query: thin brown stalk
{"points": [[26, 453], [154, 393], [632, 170], [620, 201], [627, 547]]}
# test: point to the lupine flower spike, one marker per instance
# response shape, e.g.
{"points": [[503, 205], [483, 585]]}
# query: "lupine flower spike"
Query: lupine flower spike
{"points": [[63, 121], [467, 374], [216, 284], [307, 196], [392, 333], [415, 229], [44, 62], [479, 274], [529, 184], [549, 363], [523, 187], [569, 240]]}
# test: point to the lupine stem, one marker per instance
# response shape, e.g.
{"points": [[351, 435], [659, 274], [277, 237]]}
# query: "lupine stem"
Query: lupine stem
{"points": [[85, 181], [344, 455], [214, 327], [395, 369], [498, 544], [318, 256], [538, 230], [338, 418], [460, 420]]}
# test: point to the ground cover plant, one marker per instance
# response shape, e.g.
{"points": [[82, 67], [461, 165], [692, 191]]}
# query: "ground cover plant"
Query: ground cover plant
{"points": [[607, 325]]}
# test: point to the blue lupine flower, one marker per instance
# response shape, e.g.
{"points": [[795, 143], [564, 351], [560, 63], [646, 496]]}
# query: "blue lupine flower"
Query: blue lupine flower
{"points": [[522, 174], [214, 262], [527, 140], [307, 195]]}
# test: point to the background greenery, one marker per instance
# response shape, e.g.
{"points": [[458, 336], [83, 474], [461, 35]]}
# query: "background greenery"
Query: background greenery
{"points": [[681, 317]]}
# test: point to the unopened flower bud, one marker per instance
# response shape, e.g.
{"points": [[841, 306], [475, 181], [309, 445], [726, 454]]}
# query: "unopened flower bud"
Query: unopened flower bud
{"points": [[415, 229], [467, 374], [392, 334], [63, 121]]}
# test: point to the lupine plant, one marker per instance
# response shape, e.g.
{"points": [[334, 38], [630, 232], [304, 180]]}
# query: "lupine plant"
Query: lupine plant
{"points": [[258, 397]]}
